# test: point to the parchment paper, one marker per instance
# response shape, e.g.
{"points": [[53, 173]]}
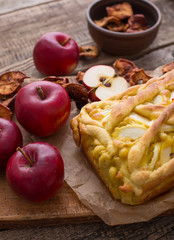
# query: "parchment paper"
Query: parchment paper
{"points": [[90, 190]]}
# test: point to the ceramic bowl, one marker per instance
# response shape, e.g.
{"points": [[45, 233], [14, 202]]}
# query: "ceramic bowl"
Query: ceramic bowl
{"points": [[121, 43]]}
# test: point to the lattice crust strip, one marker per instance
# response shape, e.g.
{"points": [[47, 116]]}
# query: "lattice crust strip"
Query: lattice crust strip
{"points": [[129, 139]]}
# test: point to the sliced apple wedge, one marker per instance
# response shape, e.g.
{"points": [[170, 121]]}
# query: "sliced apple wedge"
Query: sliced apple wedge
{"points": [[158, 100], [118, 85], [133, 132], [102, 82], [140, 119], [94, 76], [156, 153], [165, 154]]}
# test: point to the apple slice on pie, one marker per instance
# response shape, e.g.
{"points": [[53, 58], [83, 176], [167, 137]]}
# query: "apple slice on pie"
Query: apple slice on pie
{"points": [[129, 139]]}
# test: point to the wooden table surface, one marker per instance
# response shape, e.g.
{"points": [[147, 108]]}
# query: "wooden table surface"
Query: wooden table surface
{"points": [[22, 22]]}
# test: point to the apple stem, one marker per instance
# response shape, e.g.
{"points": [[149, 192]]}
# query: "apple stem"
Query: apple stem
{"points": [[25, 155], [67, 40], [41, 92]]}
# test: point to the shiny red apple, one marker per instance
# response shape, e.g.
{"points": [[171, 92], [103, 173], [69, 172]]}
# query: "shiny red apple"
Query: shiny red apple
{"points": [[56, 53], [10, 139], [35, 172], [42, 107]]}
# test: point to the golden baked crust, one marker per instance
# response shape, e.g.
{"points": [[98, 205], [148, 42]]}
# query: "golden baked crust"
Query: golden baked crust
{"points": [[129, 139]]}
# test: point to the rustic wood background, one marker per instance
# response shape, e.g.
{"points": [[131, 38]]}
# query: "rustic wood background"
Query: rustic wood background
{"points": [[22, 22], [20, 29]]}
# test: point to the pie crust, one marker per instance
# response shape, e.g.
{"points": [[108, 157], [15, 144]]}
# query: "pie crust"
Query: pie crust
{"points": [[129, 139]]}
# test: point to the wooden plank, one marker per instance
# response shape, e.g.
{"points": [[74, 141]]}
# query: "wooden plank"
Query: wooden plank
{"points": [[9, 6], [158, 228], [24, 27], [63, 208], [21, 29]]}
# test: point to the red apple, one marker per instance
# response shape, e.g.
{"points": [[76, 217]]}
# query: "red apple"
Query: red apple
{"points": [[10, 139], [103, 83], [42, 107], [56, 53], [35, 172]]}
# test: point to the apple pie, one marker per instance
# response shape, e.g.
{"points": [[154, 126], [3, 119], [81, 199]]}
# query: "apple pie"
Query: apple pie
{"points": [[129, 139]]}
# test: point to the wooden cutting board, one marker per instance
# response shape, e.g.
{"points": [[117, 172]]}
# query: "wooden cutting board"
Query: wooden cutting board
{"points": [[63, 208]]}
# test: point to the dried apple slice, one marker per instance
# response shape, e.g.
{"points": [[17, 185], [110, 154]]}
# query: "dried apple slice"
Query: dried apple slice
{"points": [[130, 72], [10, 103], [5, 112], [138, 76], [88, 51], [78, 93], [10, 83], [137, 23], [60, 80], [79, 77], [168, 67], [116, 28], [121, 11], [124, 66], [106, 20]]}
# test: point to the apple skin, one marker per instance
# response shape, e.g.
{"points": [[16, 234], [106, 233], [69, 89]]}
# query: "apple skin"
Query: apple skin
{"points": [[40, 181], [10, 139], [42, 117], [92, 96], [52, 58]]}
